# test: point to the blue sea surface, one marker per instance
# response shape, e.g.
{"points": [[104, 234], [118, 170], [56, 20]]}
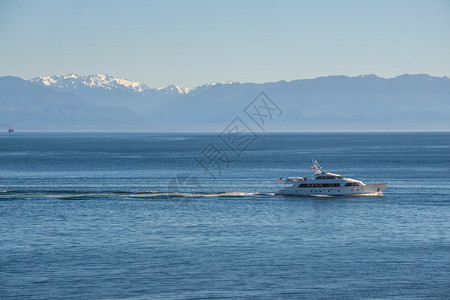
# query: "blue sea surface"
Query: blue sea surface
{"points": [[163, 216]]}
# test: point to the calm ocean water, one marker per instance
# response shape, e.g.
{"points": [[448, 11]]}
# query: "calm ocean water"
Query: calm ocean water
{"points": [[135, 216]]}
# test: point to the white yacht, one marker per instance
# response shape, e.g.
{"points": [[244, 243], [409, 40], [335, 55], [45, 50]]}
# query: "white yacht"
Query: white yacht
{"points": [[327, 184]]}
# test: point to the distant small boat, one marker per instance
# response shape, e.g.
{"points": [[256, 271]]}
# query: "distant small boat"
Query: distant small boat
{"points": [[10, 128], [327, 184]]}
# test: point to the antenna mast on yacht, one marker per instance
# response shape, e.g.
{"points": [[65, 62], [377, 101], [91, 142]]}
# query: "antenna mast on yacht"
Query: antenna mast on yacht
{"points": [[316, 167]]}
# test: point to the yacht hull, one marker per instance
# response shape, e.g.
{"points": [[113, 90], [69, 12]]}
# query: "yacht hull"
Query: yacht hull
{"points": [[367, 189]]}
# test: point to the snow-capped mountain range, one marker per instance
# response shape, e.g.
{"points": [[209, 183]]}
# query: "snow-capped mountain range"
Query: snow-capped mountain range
{"points": [[74, 81], [93, 81], [106, 103]]}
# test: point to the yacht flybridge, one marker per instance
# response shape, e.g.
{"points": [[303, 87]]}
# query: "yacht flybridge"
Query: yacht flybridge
{"points": [[326, 183]]}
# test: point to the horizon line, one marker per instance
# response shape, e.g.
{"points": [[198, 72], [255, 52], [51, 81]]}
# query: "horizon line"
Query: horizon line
{"points": [[256, 132]]}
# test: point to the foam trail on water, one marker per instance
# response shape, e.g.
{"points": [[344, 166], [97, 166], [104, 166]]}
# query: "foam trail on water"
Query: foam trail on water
{"points": [[10, 194], [196, 195]]}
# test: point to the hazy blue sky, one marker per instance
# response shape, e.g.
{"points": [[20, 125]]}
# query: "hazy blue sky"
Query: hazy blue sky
{"points": [[194, 42]]}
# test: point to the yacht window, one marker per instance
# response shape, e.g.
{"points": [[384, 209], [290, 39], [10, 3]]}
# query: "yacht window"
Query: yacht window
{"points": [[352, 184], [327, 177], [310, 185]]}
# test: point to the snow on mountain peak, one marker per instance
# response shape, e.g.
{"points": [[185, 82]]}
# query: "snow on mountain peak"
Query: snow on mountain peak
{"points": [[173, 89], [108, 82], [94, 81], [221, 82]]}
